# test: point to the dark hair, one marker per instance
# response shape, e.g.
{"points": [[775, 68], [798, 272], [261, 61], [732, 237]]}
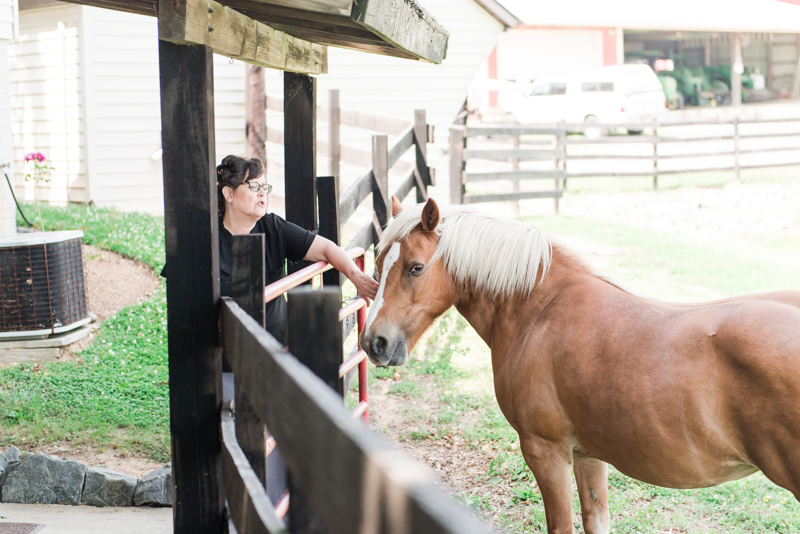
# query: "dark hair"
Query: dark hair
{"points": [[233, 172]]}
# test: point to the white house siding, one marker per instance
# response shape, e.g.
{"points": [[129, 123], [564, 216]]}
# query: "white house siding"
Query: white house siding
{"points": [[46, 114], [7, 208], [114, 101]]}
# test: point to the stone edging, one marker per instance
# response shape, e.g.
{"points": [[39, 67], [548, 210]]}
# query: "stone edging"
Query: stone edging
{"points": [[40, 478]]}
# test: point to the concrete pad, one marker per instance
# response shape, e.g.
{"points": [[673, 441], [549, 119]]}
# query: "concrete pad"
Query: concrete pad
{"points": [[89, 519]]}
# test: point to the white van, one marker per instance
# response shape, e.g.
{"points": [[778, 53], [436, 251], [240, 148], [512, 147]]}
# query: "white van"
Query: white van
{"points": [[616, 94]]}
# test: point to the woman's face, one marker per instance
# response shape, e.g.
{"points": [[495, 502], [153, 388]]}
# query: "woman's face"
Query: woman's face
{"points": [[244, 202]]}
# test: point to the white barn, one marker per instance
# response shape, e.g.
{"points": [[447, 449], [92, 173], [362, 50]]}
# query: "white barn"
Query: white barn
{"points": [[89, 99]]}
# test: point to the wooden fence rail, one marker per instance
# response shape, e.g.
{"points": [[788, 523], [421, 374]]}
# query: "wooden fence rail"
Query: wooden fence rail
{"points": [[350, 479], [556, 136]]}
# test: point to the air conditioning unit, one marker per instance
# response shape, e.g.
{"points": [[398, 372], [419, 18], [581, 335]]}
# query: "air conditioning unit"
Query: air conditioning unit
{"points": [[42, 284]]}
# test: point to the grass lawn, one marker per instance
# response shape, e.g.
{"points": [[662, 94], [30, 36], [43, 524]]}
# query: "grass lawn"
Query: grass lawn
{"points": [[450, 372], [115, 393]]}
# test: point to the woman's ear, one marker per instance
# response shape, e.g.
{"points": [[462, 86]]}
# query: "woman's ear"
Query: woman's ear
{"points": [[227, 192]]}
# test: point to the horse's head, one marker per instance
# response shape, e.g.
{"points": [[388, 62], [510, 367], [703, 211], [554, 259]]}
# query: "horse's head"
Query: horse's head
{"points": [[414, 289]]}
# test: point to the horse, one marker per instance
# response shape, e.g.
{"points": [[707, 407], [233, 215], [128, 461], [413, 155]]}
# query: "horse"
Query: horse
{"points": [[589, 373]]}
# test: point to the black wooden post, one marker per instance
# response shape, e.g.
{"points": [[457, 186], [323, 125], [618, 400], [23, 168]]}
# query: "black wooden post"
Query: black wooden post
{"points": [[314, 312], [299, 145], [190, 217], [248, 292], [328, 201]]}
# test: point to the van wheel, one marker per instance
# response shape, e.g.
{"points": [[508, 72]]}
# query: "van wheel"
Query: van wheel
{"points": [[592, 128]]}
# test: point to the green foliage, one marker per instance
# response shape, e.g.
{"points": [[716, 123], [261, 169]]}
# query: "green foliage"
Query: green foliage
{"points": [[136, 235], [115, 393]]}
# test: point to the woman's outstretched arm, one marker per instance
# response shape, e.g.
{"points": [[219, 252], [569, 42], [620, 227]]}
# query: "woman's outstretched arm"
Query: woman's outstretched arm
{"points": [[325, 250]]}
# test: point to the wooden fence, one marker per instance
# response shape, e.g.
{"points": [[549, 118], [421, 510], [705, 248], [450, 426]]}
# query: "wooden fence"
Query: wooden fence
{"points": [[342, 478], [405, 131], [552, 144]]}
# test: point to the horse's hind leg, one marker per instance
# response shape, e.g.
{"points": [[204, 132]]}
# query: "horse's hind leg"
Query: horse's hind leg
{"points": [[592, 478], [550, 464]]}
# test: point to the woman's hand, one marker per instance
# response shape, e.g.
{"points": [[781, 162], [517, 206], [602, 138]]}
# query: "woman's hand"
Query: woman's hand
{"points": [[323, 249], [366, 286]]}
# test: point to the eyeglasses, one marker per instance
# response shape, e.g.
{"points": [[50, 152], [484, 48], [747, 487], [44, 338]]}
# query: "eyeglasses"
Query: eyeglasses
{"points": [[255, 186]]}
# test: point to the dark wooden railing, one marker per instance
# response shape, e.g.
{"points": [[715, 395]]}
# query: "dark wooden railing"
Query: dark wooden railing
{"points": [[343, 478]]}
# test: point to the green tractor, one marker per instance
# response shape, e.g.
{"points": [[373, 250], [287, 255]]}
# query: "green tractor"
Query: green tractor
{"points": [[670, 85]]}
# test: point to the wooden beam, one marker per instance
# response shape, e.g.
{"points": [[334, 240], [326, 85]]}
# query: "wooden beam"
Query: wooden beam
{"points": [[405, 25], [238, 36], [192, 250]]}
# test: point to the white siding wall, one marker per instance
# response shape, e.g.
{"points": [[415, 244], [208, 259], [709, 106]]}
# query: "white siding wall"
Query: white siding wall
{"points": [[112, 99], [124, 109], [8, 224], [46, 112], [8, 10]]}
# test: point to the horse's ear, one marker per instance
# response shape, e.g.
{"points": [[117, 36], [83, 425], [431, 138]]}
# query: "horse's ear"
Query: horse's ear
{"points": [[430, 216], [396, 206]]}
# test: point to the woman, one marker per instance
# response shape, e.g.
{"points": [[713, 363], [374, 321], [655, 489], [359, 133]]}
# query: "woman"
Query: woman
{"points": [[242, 199]]}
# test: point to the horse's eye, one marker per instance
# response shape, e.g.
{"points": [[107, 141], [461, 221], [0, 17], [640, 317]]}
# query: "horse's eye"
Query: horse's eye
{"points": [[416, 269]]}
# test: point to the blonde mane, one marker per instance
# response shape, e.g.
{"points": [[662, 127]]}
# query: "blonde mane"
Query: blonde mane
{"points": [[499, 256]]}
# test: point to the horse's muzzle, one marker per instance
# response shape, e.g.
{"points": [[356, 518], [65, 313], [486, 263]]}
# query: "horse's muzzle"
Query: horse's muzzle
{"points": [[386, 352]]}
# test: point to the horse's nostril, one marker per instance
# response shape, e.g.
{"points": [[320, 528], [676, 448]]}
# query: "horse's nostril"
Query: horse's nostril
{"points": [[379, 345]]}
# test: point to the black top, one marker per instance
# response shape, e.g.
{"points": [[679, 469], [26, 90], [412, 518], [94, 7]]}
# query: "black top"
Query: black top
{"points": [[282, 240]]}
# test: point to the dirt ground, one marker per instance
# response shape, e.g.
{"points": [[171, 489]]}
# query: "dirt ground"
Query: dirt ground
{"points": [[113, 282]]}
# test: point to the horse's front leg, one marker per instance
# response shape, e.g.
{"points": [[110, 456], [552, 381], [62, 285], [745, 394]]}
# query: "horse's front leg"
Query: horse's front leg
{"points": [[550, 463], [592, 478]]}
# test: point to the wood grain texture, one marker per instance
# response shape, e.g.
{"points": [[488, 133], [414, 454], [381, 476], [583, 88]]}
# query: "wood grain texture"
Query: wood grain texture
{"points": [[248, 504], [380, 183], [512, 175], [249, 279], [354, 196], [522, 154], [299, 148], [406, 25], [328, 203], [238, 36], [338, 463], [457, 141], [521, 195], [192, 252]]}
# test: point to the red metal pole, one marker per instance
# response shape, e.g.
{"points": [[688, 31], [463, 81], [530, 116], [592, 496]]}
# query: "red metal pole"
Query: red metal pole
{"points": [[361, 317]]}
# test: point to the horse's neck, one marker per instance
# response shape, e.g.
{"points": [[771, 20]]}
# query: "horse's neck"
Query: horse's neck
{"points": [[494, 317]]}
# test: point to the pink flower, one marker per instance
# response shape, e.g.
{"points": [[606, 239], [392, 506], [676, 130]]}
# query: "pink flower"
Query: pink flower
{"points": [[38, 156]]}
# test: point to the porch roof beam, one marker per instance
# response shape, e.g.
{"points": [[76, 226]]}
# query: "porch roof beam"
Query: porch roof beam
{"points": [[230, 33]]}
